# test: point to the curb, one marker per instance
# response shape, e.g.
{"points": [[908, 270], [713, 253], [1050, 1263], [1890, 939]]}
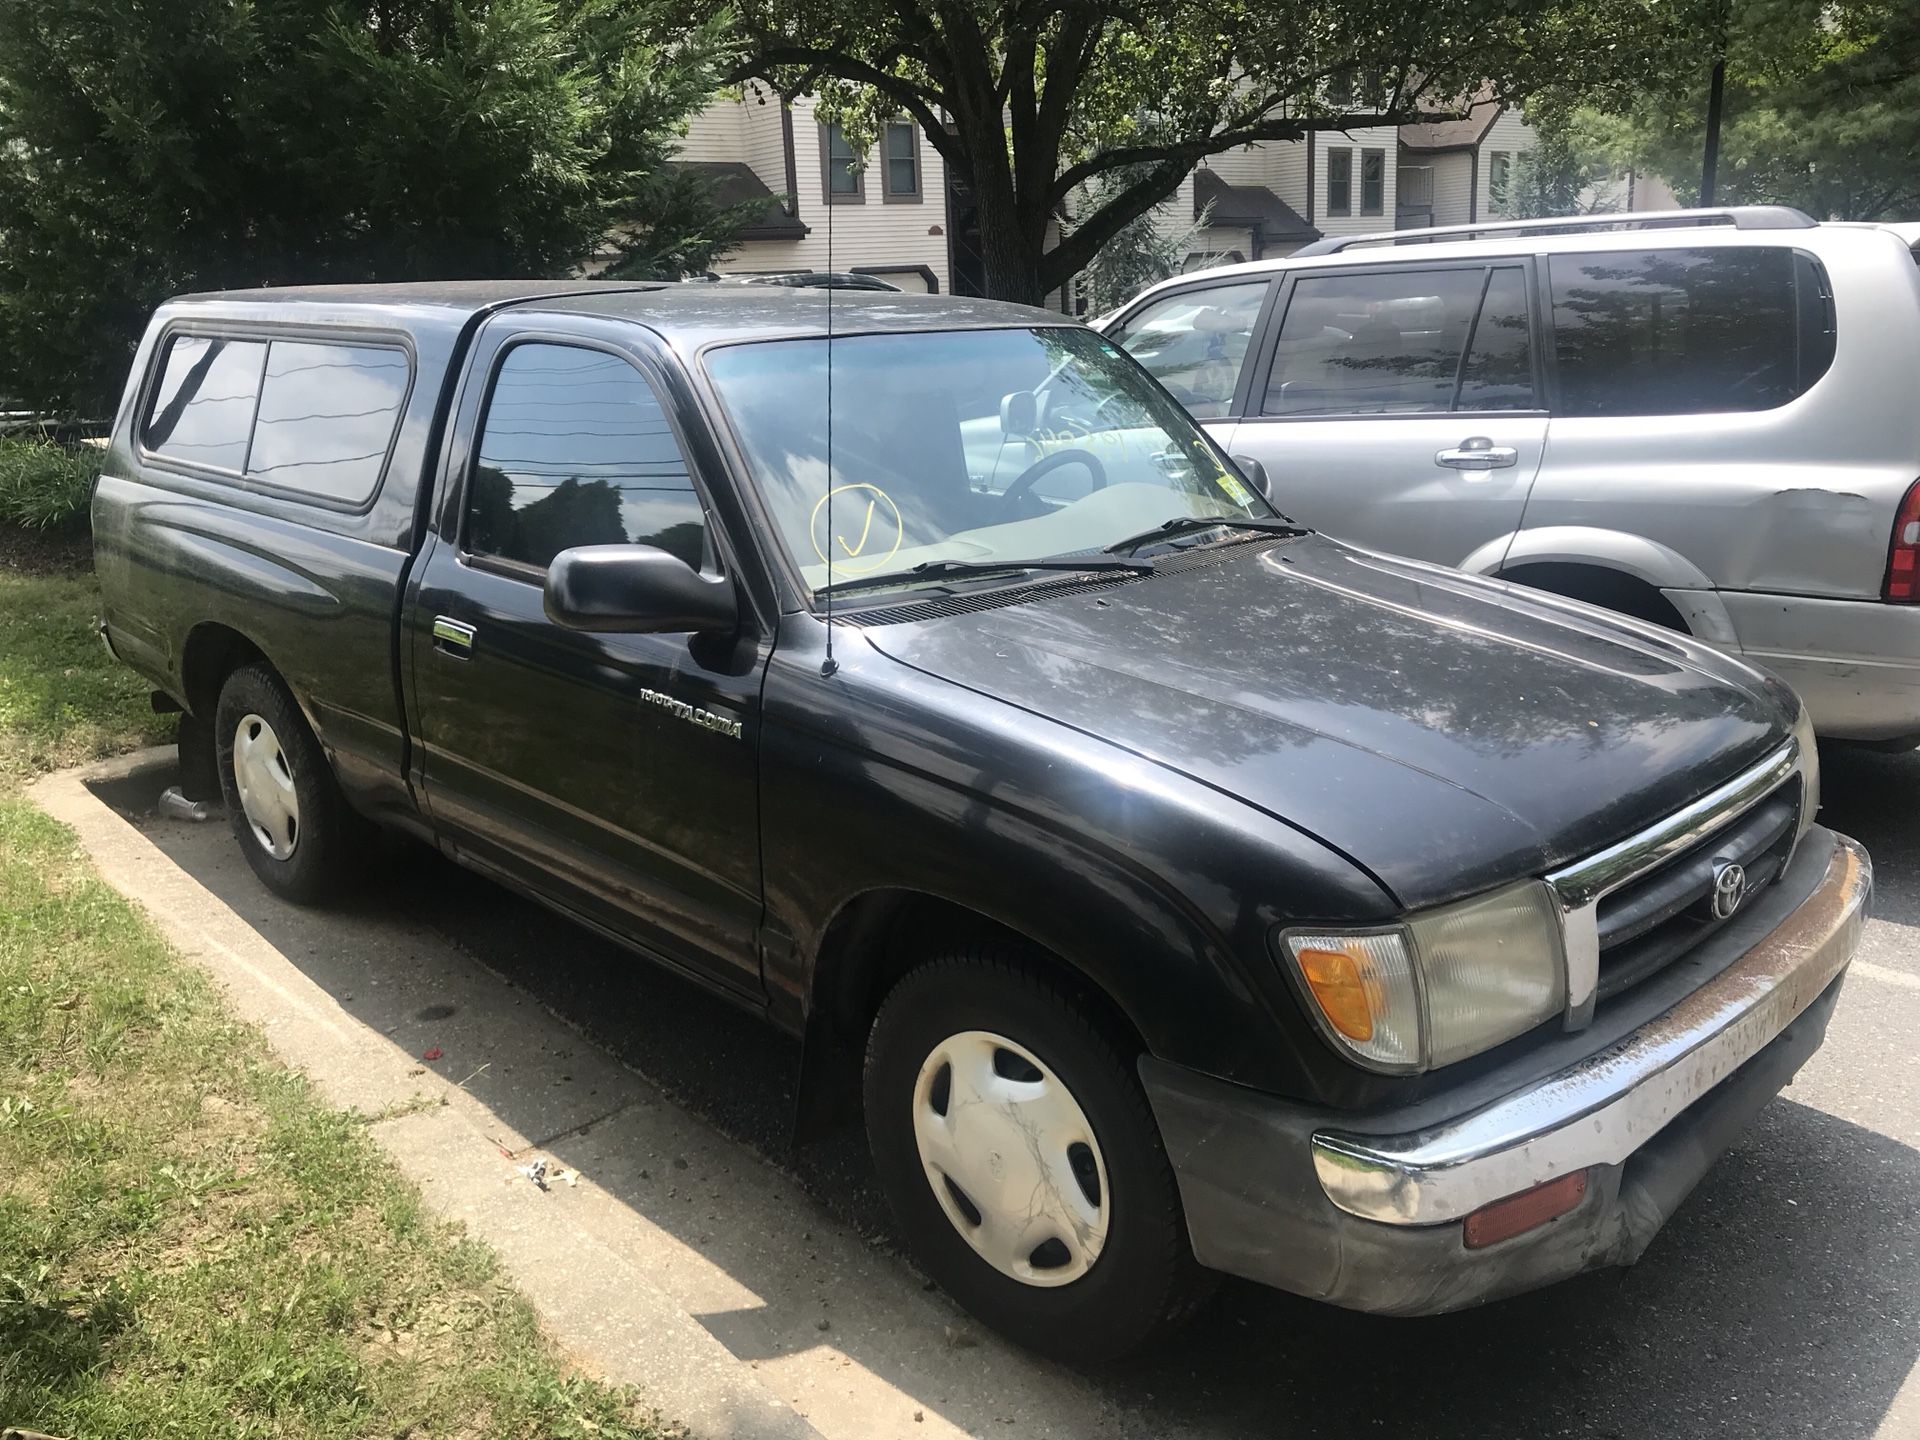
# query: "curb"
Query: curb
{"points": [[592, 1296]]}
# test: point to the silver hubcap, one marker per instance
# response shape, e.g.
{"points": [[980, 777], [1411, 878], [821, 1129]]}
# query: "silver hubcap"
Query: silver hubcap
{"points": [[265, 782], [1011, 1158]]}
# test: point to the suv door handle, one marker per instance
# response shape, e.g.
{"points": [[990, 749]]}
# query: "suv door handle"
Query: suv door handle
{"points": [[1477, 452], [454, 637]]}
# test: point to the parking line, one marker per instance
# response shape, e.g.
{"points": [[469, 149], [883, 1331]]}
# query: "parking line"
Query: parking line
{"points": [[1881, 972]]}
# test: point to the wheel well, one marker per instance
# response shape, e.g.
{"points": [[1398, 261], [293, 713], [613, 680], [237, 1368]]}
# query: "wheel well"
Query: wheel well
{"points": [[1598, 585], [881, 935], [875, 940], [212, 653]]}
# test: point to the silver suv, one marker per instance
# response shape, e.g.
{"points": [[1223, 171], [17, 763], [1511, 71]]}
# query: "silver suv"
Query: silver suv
{"points": [[1709, 419]]}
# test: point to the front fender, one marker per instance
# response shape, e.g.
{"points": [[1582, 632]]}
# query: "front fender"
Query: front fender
{"points": [[1159, 891]]}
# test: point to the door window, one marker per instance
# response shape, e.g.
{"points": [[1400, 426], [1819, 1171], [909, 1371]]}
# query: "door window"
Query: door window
{"points": [[1194, 343], [1384, 342], [1676, 332], [575, 450]]}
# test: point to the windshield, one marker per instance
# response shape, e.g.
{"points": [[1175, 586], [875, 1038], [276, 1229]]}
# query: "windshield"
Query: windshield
{"points": [[982, 446]]}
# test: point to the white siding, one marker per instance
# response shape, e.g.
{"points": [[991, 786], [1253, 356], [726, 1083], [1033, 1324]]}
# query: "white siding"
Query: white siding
{"points": [[715, 133], [1371, 137], [1452, 187], [1509, 134], [873, 232], [763, 142]]}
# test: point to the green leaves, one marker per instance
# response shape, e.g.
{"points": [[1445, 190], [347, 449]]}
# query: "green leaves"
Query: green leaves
{"points": [[146, 150], [1822, 105]]}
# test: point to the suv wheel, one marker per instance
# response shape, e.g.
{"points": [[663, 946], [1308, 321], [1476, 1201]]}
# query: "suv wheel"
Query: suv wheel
{"points": [[286, 809], [1022, 1161]]}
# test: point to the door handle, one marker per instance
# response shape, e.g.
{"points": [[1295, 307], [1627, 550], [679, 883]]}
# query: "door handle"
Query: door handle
{"points": [[1477, 452], [452, 637]]}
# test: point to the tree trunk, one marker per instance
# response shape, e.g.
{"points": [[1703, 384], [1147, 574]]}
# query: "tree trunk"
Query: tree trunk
{"points": [[1009, 255], [1710, 160]]}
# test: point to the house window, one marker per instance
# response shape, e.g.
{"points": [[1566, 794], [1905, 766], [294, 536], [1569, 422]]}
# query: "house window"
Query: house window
{"points": [[844, 171], [901, 142], [1373, 182], [1340, 181], [1499, 181]]}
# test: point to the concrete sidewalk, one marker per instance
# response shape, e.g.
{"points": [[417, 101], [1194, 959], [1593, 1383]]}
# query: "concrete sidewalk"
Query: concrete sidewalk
{"points": [[678, 1260]]}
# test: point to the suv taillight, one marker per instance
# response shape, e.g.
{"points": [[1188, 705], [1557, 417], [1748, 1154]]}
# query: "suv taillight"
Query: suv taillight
{"points": [[1903, 556]]}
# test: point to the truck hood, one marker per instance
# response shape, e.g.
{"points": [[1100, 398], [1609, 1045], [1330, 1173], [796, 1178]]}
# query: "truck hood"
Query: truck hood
{"points": [[1444, 732]]}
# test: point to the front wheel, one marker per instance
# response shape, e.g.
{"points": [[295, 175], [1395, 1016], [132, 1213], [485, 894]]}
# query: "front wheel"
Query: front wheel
{"points": [[1022, 1161], [292, 823]]}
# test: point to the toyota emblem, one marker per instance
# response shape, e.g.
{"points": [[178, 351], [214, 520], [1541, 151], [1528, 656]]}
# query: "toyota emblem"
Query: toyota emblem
{"points": [[1729, 888]]}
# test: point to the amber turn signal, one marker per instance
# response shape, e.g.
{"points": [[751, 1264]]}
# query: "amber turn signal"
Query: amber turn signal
{"points": [[1517, 1214], [1337, 985]]}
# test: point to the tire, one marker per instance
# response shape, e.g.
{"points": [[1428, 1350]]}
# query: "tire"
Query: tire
{"points": [[285, 806], [993, 1021]]}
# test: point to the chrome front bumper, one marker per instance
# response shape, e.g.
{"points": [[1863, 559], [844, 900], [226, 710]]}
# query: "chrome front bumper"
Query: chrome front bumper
{"points": [[1606, 1107]]}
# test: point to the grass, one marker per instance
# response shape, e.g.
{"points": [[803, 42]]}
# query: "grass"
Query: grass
{"points": [[63, 699], [191, 1242]]}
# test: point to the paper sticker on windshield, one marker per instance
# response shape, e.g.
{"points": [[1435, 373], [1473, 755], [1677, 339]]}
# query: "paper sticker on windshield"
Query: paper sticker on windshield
{"points": [[858, 532], [1236, 492]]}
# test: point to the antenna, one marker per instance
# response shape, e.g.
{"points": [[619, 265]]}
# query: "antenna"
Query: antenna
{"points": [[829, 665]]}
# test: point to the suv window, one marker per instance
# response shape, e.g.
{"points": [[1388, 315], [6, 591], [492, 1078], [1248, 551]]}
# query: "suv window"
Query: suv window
{"points": [[1195, 341], [575, 450], [202, 409], [1498, 373], [1397, 341], [326, 417], [1674, 332]]}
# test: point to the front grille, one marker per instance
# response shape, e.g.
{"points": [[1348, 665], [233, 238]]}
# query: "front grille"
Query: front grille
{"points": [[1661, 914]]}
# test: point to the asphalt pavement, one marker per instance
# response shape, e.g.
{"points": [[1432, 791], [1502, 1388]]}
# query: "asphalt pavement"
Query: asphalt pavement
{"points": [[1784, 1299]]}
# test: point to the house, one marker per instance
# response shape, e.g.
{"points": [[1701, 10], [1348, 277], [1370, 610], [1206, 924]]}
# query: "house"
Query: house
{"points": [[888, 215], [896, 215]]}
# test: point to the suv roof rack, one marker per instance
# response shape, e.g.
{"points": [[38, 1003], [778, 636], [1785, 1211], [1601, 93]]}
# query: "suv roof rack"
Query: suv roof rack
{"points": [[1741, 217]]}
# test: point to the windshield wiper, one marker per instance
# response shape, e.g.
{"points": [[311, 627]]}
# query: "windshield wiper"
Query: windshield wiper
{"points": [[943, 569], [1181, 524]]}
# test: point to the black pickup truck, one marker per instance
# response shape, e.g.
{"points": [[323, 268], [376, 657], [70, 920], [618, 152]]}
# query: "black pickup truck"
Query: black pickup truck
{"points": [[1181, 891]]}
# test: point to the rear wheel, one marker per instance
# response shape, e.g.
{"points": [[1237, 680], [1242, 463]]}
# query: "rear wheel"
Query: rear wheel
{"points": [[287, 812], [1022, 1161]]}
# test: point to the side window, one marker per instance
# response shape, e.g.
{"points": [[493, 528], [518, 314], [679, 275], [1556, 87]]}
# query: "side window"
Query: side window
{"points": [[1384, 342], [575, 450], [1340, 181], [844, 180], [327, 416], [1676, 332], [1195, 341], [1498, 373], [1373, 182], [202, 410]]}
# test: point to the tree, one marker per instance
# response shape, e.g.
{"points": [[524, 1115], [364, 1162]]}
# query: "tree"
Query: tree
{"points": [[1029, 100], [151, 149], [1138, 254], [1821, 110]]}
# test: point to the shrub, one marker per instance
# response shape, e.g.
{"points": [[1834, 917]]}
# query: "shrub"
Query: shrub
{"points": [[45, 486]]}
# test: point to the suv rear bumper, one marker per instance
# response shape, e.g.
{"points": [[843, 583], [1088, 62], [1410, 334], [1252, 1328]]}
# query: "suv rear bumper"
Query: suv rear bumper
{"points": [[1367, 1211], [1856, 663]]}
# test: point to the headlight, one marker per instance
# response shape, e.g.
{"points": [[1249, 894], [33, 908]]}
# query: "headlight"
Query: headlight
{"points": [[1448, 983]]}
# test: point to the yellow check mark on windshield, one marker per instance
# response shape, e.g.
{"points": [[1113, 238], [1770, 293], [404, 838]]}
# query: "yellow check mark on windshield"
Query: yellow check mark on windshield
{"points": [[865, 530]]}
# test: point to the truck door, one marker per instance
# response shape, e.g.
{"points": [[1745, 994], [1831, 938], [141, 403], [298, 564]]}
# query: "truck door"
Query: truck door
{"points": [[1397, 406], [614, 772]]}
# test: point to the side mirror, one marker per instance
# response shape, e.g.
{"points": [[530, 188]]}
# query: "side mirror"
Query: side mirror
{"points": [[1255, 474], [1019, 413], [636, 590]]}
